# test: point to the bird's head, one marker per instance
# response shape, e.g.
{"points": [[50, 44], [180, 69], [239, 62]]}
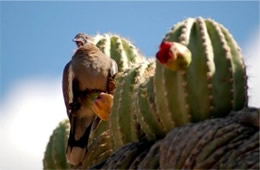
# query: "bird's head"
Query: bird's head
{"points": [[81, 39]]}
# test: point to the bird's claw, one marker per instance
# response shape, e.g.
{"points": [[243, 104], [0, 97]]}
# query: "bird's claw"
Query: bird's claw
{"points": [[102, 105]]}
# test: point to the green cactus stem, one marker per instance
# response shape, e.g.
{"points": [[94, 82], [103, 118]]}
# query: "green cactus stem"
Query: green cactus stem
{"points": [[123, 117], [120, 49], [55, 155], [212, 85], [145, 107]]}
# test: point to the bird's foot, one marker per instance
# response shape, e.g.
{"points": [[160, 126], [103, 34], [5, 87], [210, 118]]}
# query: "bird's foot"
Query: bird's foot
{"points": [[74, 106], [102, 105]]}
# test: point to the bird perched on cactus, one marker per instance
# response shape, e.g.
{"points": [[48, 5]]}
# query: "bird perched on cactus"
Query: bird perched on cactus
{"points": [[87, 87]]}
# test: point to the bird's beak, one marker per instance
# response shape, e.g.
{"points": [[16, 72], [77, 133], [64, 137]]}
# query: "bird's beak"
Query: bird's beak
{"points": [[77, 39]]}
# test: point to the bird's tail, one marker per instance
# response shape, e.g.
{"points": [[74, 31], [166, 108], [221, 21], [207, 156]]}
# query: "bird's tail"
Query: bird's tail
{"points": [[77, 146]]}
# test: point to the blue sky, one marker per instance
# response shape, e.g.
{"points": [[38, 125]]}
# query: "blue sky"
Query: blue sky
{"points": [[36, 43], [36, 36]]}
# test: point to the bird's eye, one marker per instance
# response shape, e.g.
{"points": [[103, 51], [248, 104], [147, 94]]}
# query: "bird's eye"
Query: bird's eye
{"points": [[79, 43]]}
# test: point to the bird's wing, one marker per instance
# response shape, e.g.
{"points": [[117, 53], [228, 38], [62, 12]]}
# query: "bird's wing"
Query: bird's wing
{"points": [[67, 85]]}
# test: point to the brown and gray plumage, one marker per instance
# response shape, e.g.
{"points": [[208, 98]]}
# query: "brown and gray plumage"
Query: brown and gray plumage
{"points": [[88, 73]]}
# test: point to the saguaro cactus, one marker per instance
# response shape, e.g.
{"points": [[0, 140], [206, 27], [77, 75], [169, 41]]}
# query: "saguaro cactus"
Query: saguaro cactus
{"points": [[212, 85], [208, 80], [200, 74]]}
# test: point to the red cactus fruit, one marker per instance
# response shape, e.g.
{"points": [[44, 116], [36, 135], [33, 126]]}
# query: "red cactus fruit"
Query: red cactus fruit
{"points": [[174, 56]]}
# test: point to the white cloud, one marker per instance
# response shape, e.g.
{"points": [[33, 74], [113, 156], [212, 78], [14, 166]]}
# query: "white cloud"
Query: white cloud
{"points": [[251, 52], [28, 116]]}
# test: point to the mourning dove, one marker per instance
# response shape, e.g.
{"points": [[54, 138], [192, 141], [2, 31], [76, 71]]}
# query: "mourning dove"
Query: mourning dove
{"points": [[88, 82]]}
